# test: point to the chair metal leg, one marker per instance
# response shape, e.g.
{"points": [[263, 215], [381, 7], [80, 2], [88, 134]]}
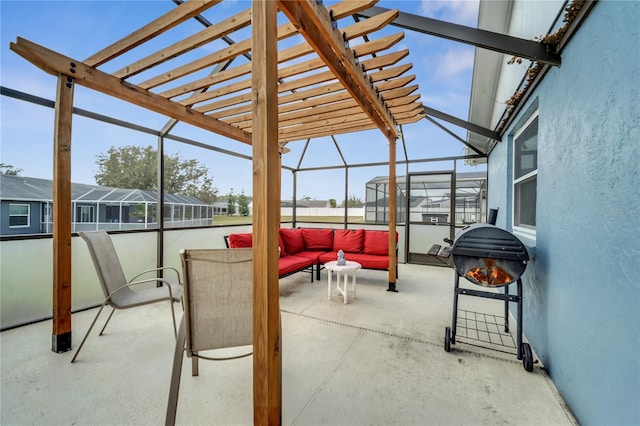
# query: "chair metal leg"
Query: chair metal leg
{"points": [[105, 324], [174, 389], [89, 331], [173, 315], [194, 364]]}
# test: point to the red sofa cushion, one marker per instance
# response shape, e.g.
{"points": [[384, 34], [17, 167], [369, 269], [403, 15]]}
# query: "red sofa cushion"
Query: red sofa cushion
{"points": [[317, 239], [331, 256], [292, 239], [283, 251], [369, 261], [377, 242], [241, 240], [313, 255], [291, 263], [348, 240]]}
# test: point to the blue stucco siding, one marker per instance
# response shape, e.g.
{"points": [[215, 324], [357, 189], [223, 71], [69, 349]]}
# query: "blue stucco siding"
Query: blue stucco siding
{"points": [[582, 292]]}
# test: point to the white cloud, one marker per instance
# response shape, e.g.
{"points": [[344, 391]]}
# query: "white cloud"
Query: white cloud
{"points": [[455, 61], [463, 12]]}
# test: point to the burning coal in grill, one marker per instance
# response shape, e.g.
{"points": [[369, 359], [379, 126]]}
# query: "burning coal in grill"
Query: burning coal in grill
{"points": [[490, 275]]}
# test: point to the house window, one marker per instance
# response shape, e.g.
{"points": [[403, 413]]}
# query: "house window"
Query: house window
{"points": [[19, 215], [525, 176], [85, 214]]}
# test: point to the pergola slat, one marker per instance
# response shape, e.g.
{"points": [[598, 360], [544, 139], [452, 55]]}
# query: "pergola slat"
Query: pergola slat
{"points": [[243, 120], [244, 69], [239, 48], [169, 20], [351, 32], [207, 35], [226, 54], [377, 62], [340, 10], [309, 117], [314, 24]]}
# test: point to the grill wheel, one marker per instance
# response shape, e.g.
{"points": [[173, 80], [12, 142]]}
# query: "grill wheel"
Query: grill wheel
{"points": [[527, 357], [447, 339]]}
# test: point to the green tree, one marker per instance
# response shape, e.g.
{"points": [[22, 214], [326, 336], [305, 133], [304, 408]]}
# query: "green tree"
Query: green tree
{"points": [[243, 204], [353, 202], [8, 169], [231, 201], [135, 167], [333, 203]]}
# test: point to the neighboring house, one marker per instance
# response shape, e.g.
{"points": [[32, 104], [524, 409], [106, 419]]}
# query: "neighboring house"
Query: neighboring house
{"points": [[429, 199], [221, 208], [566, 180], [26, 207]]}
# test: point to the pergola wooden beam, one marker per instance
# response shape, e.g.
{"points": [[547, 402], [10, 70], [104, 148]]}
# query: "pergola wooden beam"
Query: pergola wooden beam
{"points": [[313, 22], [61, 333], [267, 354], [55, 63]]}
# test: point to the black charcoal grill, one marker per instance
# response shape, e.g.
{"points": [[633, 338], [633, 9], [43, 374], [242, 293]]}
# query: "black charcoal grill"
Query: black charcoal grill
{"points": [[489, 256]]}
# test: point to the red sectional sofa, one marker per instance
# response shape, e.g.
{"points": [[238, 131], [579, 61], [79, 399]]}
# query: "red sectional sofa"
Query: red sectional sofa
{"points": [[301, 248], [287, 264]]}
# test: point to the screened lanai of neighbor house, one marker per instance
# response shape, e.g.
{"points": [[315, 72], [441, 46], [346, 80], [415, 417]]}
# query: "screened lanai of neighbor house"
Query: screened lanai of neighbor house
{"points": [[278, 74]]}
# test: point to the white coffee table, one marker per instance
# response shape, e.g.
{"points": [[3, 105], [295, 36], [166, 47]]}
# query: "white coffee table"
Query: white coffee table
{"points": [[342, 274]]}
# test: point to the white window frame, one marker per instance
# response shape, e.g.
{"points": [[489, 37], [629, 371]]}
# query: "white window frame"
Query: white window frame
{"points": [[82, 210], [21, 215], [528, 231]]}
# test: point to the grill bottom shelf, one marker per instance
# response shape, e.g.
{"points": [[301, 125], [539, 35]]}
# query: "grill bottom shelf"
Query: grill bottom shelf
{"points": [[485, 328]]}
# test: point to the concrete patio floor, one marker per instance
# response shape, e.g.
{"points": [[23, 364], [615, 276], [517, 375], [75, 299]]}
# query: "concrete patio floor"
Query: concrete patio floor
{"points": [[378, 360]]}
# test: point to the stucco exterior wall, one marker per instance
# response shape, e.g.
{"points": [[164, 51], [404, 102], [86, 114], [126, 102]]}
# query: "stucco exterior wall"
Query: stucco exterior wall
{"points": [[582, 292], [34, 219]]}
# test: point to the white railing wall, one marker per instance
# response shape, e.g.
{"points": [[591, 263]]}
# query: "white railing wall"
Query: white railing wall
{"points": [[26, 266], [323, 211]]}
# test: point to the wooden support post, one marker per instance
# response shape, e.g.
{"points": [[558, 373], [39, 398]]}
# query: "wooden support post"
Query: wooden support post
{"points": [[267, 386], [392, 215], [61, 338]]}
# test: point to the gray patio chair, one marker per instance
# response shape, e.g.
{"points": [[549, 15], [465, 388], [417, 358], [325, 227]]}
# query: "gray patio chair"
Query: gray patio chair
{"points": [[117, 290], [218, 288]]}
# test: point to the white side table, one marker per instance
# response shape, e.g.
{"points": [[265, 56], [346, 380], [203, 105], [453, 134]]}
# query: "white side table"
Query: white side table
{"points": [[342, 273]]}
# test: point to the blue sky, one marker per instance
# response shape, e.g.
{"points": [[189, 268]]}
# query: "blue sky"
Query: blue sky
{"points": [[80, 28]]}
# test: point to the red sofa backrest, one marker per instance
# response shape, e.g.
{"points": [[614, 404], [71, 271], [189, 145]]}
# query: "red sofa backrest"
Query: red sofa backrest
{"points": [[317, 239], [292, 239], [244, 240], [349, 240], [377, 242]]}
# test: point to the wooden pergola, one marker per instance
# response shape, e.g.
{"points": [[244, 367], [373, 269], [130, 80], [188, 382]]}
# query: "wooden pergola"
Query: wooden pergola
{"points": [[319, 87]]}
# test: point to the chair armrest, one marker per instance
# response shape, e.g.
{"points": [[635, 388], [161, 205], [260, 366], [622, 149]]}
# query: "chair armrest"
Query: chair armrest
{"points": [[149, 280], [163, 268]]}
